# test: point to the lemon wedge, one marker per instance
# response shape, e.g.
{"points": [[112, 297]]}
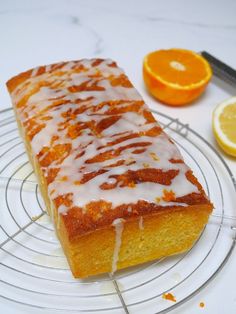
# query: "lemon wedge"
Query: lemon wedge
{"points": [[224, 125]]}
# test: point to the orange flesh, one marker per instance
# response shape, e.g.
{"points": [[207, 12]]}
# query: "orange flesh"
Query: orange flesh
{"points": [[169, 297], [191, 69], [176, 77]]}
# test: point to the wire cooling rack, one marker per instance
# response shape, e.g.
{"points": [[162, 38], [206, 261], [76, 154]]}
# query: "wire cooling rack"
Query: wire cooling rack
{"points": [[34, 273]]}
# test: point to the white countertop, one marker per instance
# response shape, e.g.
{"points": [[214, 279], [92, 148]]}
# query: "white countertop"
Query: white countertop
{"points": [[41, 32]]}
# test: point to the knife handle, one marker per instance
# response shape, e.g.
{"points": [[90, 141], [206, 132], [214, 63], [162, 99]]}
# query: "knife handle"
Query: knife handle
{"points": [[220, 69]]}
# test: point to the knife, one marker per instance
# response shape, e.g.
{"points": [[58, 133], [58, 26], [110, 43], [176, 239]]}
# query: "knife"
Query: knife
{"points": [[220, 69]]}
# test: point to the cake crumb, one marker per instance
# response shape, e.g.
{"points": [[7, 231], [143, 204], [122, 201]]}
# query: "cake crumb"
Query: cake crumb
{"points": [[169, 296], [158, 199], [34, 218], [154, 156], [201, 304], [131, 185], [168, 196]]}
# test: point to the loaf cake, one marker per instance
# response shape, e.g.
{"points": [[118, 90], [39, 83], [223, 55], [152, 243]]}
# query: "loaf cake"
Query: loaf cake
{"points": [[115, 185]]}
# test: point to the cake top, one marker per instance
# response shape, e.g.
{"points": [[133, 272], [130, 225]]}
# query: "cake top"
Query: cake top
{"points": [[101, 151]]}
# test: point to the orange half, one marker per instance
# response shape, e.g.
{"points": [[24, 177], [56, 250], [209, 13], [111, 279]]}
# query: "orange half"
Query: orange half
{"points": [[176, 76]]}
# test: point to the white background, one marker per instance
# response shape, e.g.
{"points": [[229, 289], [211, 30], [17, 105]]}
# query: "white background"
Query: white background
{"points": [[41, 32]]}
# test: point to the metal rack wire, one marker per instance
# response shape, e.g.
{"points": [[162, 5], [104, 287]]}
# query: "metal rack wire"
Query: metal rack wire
{"points": [[35, 274]]}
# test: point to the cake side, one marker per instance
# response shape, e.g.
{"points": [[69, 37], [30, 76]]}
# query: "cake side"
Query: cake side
{"points": [[131, 242]]}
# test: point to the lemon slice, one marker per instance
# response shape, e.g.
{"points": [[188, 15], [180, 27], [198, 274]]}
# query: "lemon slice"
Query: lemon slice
{"points": [[224, 125]]}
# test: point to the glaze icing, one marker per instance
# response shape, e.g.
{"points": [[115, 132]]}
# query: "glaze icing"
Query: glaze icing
{"points": [[119, 227]]}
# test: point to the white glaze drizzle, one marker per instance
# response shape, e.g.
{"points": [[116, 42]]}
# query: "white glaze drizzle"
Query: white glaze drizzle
{"points": [[140, 223], [34, 72], [74, 168], [119, 227]]}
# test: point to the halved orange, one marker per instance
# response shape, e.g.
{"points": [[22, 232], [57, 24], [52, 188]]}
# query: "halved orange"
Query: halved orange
{"points": [[176, 76]]}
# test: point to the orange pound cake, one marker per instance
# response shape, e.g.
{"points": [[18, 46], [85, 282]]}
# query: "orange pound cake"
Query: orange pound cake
{"points": [[114, 184]]}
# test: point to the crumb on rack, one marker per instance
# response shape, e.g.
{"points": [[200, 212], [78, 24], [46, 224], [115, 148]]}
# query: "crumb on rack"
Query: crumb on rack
{"points": [[201, 304], [34, 218], [169, 296]]}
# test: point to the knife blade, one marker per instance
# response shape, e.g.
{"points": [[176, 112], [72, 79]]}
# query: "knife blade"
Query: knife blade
{"points": [[220, 69]]}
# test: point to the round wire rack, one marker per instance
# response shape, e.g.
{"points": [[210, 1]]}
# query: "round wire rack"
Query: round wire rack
{"points": [[33, 269]]}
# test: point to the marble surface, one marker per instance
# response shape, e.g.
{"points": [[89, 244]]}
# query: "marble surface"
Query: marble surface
{"points": [[41, 32]]}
